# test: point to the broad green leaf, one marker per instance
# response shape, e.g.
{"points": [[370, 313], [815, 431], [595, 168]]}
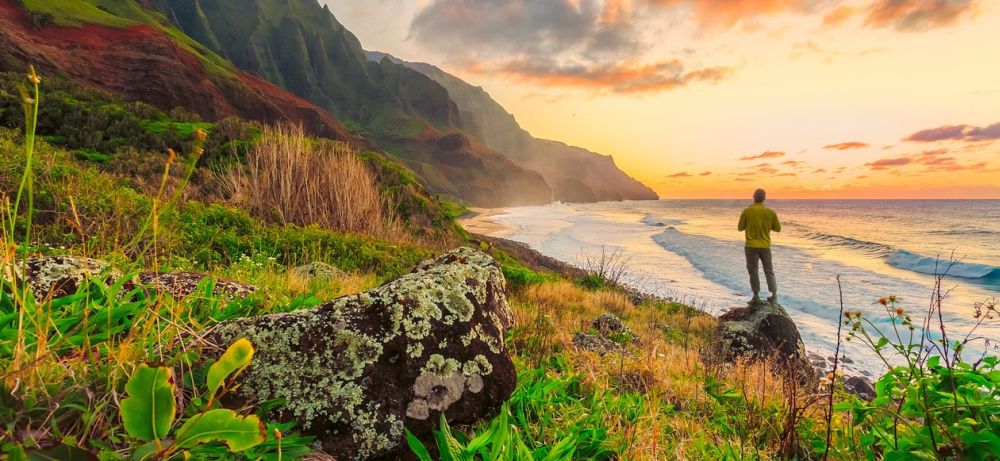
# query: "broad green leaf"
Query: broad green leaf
{"points": [[148, 412], [563, 450], [14, 452], [450, 449], [417, 447], [144, 452], [237, 432], [61, 452], [233, 361]]}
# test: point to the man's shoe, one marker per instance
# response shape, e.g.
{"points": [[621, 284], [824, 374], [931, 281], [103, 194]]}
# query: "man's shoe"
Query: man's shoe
{"points": [[773, 299], [755, 300]]}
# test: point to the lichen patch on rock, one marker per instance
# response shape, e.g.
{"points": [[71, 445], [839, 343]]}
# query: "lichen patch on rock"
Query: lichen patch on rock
{"points": [[357, 370]]}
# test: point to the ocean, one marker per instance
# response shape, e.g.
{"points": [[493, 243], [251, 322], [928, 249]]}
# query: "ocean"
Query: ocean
{"points": [[690, 250]]}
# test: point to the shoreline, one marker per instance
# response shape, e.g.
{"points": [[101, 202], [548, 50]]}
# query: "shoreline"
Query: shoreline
{"points": [[480, 221]]}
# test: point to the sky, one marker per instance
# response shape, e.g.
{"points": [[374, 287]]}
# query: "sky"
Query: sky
{"points": [[714, 98]]}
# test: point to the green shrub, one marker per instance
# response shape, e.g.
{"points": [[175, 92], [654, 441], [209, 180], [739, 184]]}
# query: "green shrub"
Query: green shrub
{"points": [[931, 404]]}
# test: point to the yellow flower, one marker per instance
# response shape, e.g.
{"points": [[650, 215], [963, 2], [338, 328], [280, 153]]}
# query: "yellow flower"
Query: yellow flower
{"points": [[33, 77]]}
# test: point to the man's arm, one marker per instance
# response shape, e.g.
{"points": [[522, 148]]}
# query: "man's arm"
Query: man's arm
{"points": [[743, 222], [775, 224]]}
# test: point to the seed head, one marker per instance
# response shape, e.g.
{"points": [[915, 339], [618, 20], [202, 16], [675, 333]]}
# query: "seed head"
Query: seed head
{"points": [[33, 77], [883, 301], [200, 135], [899, 311]]}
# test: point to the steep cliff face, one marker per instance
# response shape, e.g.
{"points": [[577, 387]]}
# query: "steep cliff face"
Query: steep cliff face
{"points": [[144, 62], [300, 46], [575, 174]]}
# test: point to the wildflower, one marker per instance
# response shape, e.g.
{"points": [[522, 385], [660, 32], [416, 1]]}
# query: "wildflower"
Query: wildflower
{"points": [[892, 299], [899, 311], [883, 301], [198, 151], [277, 433], [200, 135], [171, 155], [33, 77]]}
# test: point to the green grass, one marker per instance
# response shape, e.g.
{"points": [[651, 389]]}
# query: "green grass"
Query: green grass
{"points": [[120, 14], [75, 13], [182, 129]]}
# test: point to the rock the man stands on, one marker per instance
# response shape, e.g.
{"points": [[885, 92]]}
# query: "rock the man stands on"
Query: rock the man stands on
{"points": [[758, 221]]}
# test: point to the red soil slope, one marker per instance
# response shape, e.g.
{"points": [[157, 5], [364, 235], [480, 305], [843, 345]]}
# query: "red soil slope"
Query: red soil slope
{"points": [[142, 63]]}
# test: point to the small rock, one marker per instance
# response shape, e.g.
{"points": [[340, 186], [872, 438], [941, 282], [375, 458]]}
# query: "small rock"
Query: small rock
{"points": [[860, 386], [183, 284], [609, 324], [594, 343], [58, 276], [320, 271]]}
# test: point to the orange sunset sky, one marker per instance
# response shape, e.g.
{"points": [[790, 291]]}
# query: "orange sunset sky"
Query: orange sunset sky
{"points": [[711, 98]]}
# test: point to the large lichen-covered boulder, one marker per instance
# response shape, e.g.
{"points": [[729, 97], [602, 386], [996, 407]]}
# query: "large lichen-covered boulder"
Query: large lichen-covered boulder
{"points": [[763, 330], [358, 370]]}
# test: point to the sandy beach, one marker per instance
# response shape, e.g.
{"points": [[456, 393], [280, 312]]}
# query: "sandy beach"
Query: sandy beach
{"points": [[480, 221]]}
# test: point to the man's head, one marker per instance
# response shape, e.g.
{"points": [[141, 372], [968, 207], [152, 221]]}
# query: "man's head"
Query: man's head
{"points": [[759, 195]]}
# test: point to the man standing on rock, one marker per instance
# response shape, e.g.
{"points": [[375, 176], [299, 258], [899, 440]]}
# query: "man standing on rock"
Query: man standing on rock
{"points": [[758, 221]]}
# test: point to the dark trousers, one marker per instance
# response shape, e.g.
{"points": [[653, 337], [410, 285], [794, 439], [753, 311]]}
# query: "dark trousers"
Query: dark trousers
{"points": [[764, 256]]}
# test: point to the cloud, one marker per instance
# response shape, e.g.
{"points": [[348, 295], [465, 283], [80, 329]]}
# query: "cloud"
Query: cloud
{"points": [[705, 173], [787, 174], [838, 15], [846, 145], [966, 133], [931, 160], [887, 163], [819, 170], [620, 77], [918, 15], [683, 174], [767, 154], [903, 15], [727, 13], [792, 162], [583, 44]]}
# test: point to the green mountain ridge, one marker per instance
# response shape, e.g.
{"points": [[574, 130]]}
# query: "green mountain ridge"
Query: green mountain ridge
{"points": [[299, 45], [575, 174]]}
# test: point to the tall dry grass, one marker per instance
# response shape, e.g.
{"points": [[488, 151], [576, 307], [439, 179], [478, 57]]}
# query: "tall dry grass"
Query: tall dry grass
{"points": [[292, 179], [670, 371]]}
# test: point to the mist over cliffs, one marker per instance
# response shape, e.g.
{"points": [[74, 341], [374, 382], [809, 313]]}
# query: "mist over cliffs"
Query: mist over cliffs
{"points": [[575, 174]]}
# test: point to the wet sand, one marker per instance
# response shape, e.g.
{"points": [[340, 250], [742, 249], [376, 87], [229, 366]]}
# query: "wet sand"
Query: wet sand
{"points": [[479, 221]]}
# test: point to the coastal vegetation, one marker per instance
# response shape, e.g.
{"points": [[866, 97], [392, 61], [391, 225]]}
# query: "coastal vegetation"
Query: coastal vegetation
{"points": [[80, 370]]}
